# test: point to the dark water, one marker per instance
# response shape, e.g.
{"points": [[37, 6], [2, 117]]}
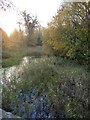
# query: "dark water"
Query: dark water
{"points": [[33, 106]]}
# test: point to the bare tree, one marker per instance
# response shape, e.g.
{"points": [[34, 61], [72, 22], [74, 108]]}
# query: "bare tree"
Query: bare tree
{"points": [[30, 23], [4, 4]]}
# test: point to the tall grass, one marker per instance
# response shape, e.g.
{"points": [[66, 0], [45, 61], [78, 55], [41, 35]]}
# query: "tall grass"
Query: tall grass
{"points": [[13, 56], [64, 83]]}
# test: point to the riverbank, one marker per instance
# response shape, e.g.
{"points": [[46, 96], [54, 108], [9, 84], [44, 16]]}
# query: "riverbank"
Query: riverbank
{"points": [[14, 57], [64, 83]]}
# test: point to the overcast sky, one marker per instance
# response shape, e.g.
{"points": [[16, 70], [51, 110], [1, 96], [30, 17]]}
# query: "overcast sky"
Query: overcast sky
{"points": [[43, 9]]}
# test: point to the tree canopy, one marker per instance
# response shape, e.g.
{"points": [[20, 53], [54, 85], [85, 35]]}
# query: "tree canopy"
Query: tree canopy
{"points": [[68, 32]]}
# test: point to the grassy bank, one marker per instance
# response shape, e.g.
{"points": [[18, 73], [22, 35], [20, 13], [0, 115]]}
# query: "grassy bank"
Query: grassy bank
{"points": [[12, 57]]}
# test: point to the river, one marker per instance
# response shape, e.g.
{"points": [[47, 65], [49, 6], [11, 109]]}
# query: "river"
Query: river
{"points": [[38, 106]]}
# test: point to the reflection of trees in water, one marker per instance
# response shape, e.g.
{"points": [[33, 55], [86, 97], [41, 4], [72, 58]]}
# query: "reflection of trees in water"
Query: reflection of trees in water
{"points": [[32, 106]]}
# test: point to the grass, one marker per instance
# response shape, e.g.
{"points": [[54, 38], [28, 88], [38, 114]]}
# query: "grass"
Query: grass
{"points": [[65, 84], [10, 62], [13, 57], [10, 58]]}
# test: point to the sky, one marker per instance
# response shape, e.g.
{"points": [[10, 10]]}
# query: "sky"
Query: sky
{"points": [[43, 9]]}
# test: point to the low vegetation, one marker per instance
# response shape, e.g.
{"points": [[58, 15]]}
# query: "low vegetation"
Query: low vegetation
{"points": [[64, 83]]}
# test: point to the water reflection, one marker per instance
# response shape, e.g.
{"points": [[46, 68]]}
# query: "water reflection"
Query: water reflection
{"points": [[14, 71], [29, 105], [33, 106]]}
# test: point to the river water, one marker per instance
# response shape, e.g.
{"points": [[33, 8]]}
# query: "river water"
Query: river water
{"points": [[37, 106]]}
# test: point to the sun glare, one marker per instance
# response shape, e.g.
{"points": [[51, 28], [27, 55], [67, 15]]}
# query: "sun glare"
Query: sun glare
{"points": [[9, 19], [9, 30], [9, 22]]}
